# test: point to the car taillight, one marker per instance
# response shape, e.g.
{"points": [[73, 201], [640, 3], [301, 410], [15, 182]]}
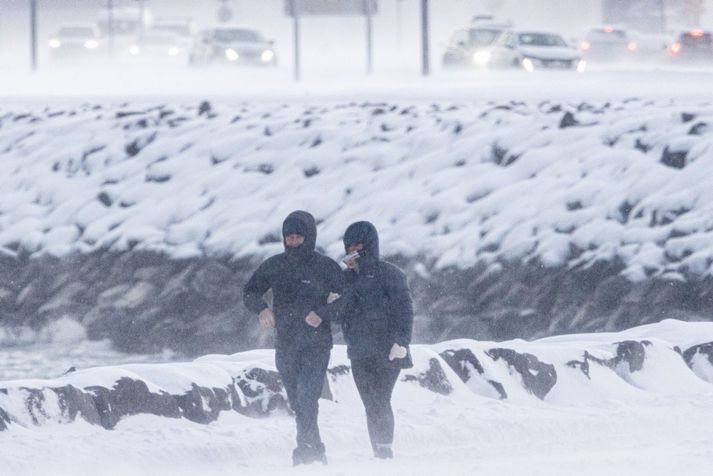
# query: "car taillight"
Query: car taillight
{"points": [[585, 45], [632, 46], [697, 33], [675, 48]]}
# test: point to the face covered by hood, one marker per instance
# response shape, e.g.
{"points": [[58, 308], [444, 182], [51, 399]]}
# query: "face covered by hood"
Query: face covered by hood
{"points": [[365, 233], [301, 223]]}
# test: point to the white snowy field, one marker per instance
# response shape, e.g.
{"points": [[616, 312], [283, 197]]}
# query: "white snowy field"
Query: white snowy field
{"points": [[652, 421]]}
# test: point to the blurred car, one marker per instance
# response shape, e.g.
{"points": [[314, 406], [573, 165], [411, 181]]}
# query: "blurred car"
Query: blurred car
{"points": [[470, 48], [126, 22], [121, 27], [242, 46], [607, 44], [182, 30], [179, 27], [159, 46], [693, 46], [74, 42], [535, 50]]}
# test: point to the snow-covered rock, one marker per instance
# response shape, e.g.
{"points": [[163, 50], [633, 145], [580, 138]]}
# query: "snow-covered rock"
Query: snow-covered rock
{"points": [[565, 370], [513, 219]]}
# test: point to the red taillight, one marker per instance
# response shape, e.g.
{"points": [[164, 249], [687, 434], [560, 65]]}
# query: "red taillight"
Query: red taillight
{"points": [[697, 33], [609, 29], [675, 48], [632, 46], [585, 45]]}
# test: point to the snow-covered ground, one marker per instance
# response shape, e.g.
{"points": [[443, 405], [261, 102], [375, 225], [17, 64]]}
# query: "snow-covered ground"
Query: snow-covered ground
{"points": [[652, 421], [648, 435]]}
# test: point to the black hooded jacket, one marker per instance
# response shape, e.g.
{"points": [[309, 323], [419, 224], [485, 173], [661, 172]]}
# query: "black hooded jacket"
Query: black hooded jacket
{"points": [[377, 310], [301, 280]]}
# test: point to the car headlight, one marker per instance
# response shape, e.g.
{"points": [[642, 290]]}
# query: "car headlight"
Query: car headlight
{"points": [[91, 44], [134, 50], [232, 55], [528, 64], [482, 57], [173, 51], [267, 56], [581, 66], [55, 43]]}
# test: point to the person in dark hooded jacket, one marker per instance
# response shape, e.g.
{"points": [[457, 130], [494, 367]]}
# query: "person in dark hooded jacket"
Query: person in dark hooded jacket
{"points": [[301, 280], [376, 314]]}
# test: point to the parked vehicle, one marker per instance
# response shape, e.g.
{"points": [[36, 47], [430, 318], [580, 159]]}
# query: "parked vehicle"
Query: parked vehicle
{"points": [[535, 50], [233, 45]]}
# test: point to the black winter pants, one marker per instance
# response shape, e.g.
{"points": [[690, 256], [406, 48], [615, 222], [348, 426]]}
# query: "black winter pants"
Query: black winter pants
{"points": [[375, 380], [302, 372]]}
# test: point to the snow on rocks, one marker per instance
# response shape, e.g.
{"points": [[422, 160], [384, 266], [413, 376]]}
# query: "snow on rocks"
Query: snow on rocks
{"points": [[197, 392], [511, 218], [567, 370], [160, 177]]}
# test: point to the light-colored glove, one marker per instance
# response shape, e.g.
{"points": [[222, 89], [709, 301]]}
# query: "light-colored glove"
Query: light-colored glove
{"points": [[267, 318], [313, 319], [397, 352], [332, 297]]}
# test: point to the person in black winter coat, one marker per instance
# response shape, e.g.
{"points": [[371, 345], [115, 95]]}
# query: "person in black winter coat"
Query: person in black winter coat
{"points": [[301, 280], [377, 320]]}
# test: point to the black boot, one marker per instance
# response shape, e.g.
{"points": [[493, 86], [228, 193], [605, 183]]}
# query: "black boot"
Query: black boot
{"points": [[298, 456], [308, 454], [319, 454], [383, 451]]}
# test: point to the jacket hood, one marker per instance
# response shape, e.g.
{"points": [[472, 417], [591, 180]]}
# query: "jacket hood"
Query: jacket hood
{"points": [[302, 223], [365, 233]]}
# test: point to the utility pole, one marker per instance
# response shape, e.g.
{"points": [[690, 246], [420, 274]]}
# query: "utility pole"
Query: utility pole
{"points": [[662, 12], [296, 39], [142, 11], [399, 22], [369, 38], [110, 25], [425, 53], [33, 34]]}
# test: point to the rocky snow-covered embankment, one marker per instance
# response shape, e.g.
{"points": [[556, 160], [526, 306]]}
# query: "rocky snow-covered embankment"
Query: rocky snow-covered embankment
{"points": [[142, 221], [671, 357]]}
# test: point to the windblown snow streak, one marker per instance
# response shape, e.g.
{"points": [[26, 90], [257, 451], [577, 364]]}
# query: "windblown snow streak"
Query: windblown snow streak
{"points": [[513, 219], [669, 357]]}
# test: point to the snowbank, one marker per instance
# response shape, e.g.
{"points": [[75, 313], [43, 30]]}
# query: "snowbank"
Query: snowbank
{"points": [[570, 371]]}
